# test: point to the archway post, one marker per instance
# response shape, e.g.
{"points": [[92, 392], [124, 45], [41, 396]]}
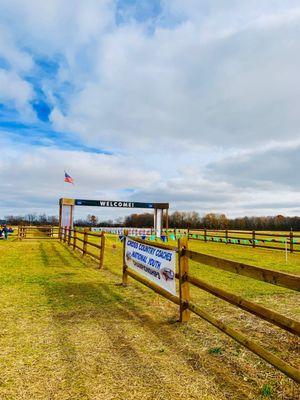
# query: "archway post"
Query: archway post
{"points": [[66, 211]]}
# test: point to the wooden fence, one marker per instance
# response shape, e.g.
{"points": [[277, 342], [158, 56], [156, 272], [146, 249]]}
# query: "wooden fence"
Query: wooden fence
{"points": [[38, 232], [186, 306], [78, 239], [276, 241]]}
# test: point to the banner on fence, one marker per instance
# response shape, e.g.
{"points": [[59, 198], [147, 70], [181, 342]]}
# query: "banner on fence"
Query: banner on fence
{"points": [[154, 263], [121, 230]]}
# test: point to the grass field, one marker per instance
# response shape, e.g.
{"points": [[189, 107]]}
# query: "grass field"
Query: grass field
{"points": [[70, 331]]}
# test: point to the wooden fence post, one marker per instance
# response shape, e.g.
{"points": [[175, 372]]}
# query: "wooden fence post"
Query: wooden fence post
{"points": [[69, 236], [74, 239], [205, 237], [291, 242], [85, 237], [125, 275], [253, 238], [184, 288], [21, 232], [102, 244], [188, 233], [226, 236]]}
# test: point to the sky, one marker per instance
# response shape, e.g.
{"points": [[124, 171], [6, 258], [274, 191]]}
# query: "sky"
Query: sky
{"points": [[193, 102]]}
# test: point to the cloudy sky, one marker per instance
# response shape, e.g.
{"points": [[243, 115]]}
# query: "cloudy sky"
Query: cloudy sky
{"points": [[192, 102]]}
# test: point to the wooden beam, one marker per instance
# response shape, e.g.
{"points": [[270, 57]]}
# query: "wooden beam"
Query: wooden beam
{"points": [[125, 269], [102, 249], [84, 249], [167, 219], [74, 239], [184, 287], [273, 317], [92, 255], [98, 246], [262, 274], [255, 347]]}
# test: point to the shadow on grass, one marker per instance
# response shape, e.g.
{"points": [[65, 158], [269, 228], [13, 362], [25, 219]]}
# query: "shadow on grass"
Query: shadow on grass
{"points": [[64, 260], [72, 303], [75, 303]]}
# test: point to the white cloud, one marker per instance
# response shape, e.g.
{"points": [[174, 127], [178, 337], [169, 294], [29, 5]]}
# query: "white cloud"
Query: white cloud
{"points": [[18, 59], [213, 78], [212, 84], [194, 83], [33, 176], [271, 169], [16, 92]]}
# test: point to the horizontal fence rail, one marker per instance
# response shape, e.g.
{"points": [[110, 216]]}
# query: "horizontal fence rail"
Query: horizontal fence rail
{"points": [[256, 348], [278, 278], [38, 232], [256, 309], [287, 241], [186, 305], [72, 236]]}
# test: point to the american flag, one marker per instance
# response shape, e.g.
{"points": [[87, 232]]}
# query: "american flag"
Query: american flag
{"points": [[68, 179]]}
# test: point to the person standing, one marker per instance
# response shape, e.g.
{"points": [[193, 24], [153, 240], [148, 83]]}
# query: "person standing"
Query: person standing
{"points": [[5, 232]]}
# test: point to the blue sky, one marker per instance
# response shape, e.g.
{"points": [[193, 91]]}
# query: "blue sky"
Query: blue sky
{"points": [[194, 103]]}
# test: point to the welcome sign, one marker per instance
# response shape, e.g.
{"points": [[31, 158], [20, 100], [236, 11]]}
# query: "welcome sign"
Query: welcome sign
{"points": [[113, 203], [156, 264]]}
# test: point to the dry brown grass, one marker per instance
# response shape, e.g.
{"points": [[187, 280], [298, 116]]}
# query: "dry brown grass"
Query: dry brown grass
{"points": [[70, 331]]}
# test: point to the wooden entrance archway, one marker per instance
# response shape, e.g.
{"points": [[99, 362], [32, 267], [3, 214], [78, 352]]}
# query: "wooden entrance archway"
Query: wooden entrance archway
{"points": [[66, 210]]}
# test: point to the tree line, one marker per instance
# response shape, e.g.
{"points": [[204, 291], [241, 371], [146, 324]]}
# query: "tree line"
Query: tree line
{"points": [[177, 219], [31, 219], [193, 220]]}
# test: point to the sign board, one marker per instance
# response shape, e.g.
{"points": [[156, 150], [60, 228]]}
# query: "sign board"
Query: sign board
{"points": [[158, 209], [119, 204], [156, 264], [67, 202], [121, 230]]}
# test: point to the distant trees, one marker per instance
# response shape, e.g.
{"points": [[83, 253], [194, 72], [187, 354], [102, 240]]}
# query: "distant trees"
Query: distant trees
{"points": [[144, 220], [184, 220], [215, 221], [193, 220], [177, 219], [278, 222], [31, 219], [92, 220]]}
